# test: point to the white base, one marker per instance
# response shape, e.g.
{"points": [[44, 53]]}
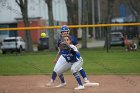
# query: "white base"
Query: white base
{"points": [[91, 84]]}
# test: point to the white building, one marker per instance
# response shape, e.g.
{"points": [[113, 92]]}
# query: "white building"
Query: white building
{"points": [[37, 9], [9, 10]]}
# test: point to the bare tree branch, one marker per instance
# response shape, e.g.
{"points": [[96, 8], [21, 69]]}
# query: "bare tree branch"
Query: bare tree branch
{"points": [[135, 5], [51, 23], [131, 7], [72, 10], [17, 2], [47, 1], [23, 4]]}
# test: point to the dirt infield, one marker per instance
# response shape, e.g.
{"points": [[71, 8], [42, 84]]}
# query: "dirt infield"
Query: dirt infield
{"points": [[35, 84]]}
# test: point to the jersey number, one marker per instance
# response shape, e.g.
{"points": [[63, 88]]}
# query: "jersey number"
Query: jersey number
{"points": [[68, 58]]}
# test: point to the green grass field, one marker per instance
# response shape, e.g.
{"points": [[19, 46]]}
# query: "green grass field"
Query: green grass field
{"points": [[96, 61]]}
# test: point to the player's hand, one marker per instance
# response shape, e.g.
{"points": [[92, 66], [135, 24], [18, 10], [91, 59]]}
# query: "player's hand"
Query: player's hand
{"points": [[64, 46], [55, 61]]}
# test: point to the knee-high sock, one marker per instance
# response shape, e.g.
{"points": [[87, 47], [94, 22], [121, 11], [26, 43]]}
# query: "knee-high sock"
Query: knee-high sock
{"points": [[77, 77], [83, 73], [54, 75], [62, 78]]}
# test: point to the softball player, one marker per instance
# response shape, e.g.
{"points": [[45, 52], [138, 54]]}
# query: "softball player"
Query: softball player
{"points": [[65, 32], [69, 59]]}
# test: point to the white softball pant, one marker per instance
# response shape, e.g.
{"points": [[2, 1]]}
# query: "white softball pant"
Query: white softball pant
{"points": [[62, 65]]}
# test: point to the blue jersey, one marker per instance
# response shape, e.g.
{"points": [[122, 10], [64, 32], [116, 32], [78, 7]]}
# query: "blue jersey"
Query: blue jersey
{"points": [[69, 56], [73, 40]]}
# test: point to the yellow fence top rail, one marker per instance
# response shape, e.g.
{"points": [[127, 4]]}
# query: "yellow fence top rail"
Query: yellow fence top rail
{"points": [[72, 26]]}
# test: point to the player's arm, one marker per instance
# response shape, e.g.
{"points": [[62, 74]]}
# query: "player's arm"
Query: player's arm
{"points": [[58, 53], [57, 56], [78, 46], [74, 51]]}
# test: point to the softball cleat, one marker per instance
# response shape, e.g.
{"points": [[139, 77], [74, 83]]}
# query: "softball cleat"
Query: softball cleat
{"points": [[50, 84], [86, 81], [80, 87], [61, 85]]}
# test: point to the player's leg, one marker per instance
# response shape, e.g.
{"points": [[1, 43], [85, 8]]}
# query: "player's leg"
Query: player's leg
{"points": [[86, 81], [83, 74], [61, 77], [74, 69], [61, 70], [59, 63]]}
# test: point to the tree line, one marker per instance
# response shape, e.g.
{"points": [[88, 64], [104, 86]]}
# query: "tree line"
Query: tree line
{"points": [[72, 10]]}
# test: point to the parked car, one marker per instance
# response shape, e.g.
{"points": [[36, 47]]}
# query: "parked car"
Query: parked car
{"points": [[117, 39], [43, 43], [12, 44]]}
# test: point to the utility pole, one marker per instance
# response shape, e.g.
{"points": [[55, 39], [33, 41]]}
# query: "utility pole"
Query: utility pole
{"points": [[99, 17], [93, 18], [79, 18], [79, 11]]}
